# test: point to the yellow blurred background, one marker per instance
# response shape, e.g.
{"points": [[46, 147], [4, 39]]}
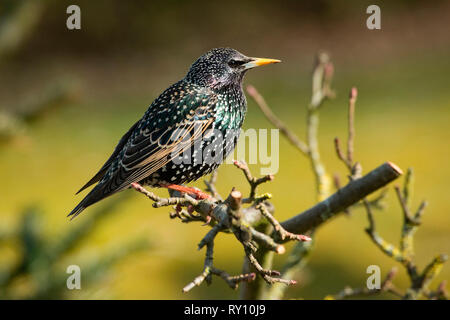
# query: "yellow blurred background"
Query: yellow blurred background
{"points": [[126, 53]]}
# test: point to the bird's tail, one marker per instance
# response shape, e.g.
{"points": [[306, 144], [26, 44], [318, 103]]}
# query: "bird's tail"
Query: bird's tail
{"points": [[92, 197]]}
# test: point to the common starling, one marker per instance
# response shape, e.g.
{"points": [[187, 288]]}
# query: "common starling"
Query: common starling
{"points": [[186, 132]]}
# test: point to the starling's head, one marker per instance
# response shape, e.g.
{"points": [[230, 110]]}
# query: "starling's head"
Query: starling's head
{"points": [[223, 67]]}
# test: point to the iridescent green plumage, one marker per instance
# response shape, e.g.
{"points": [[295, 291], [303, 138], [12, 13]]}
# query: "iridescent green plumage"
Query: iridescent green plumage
{"points": [[186, 133]]}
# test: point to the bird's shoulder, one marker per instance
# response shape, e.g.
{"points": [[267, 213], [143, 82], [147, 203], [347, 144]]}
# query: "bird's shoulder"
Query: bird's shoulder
{"points": [[183, 107], [182, 101]]}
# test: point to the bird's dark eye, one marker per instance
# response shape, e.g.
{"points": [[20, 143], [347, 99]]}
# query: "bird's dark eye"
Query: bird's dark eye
{"points": [[235, 63]]}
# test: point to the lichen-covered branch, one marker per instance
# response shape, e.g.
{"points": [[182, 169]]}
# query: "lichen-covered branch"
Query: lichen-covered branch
{"points": [[388, 248], [403, 254]]}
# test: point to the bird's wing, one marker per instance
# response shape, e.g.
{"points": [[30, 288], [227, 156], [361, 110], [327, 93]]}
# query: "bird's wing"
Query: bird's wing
{"points": [[185, 117], [99, 175]]}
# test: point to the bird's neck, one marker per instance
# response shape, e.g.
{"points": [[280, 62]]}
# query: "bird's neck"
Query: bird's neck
{"points": [[231, 107]]}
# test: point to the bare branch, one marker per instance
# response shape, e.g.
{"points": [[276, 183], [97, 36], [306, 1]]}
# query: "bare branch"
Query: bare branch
{"points": [[281, 232], [353, 192], [351, 124], [261, 103], [388, 248], [340, 154], [211, 185], [228, 215], [254, 182]]}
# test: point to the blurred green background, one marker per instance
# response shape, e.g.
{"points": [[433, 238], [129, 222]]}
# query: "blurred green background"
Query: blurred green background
{"points": [[126, 53]]}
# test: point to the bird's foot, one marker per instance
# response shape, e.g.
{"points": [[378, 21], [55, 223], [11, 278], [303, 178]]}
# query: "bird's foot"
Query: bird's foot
{"points": [[198, 194]]}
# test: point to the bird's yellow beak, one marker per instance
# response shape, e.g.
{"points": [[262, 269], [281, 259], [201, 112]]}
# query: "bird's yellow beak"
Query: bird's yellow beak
{"points": [[256, 62]]}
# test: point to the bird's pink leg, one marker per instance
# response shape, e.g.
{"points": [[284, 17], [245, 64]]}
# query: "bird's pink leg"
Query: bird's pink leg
{"points": [[199, 195]]}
